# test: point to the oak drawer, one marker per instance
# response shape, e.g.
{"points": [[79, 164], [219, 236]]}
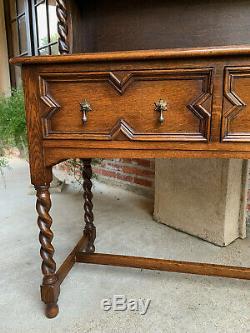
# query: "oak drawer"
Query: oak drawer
{"points": [[128, 105]]}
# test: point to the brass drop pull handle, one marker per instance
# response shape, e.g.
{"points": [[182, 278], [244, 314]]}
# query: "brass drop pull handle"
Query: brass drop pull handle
{"points": [[85, 108], [161, 106]]}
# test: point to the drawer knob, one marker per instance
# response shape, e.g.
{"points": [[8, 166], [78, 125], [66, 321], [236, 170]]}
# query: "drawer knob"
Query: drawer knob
{"points": [[85, 108], [161, 106]]}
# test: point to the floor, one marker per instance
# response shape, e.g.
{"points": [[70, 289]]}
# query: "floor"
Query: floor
{"points": [[179, 302]]}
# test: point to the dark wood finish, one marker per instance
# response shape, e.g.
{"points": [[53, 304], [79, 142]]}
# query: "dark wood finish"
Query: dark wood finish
{"points": [[132, 25], [62, 26], [164, 265], [165, 54], [128, 100], [189, 102], [123, 90], [203, 97], [49, 288], [89, 229], [236, 116], [71, 259]]}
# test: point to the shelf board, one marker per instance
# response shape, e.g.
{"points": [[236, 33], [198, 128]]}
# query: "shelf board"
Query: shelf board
{"points": [[176, 53]]}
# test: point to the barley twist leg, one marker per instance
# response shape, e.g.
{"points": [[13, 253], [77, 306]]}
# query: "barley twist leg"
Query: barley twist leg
{"points": [[49, 288], [89, 229], [62, 26]]}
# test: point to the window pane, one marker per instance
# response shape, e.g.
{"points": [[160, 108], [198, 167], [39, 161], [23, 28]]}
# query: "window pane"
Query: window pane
{"points": [[52, 20], [13, 13], [14, 33], [22, 34], [20, 6], [42, 27], [54, 49], [44, 51]]}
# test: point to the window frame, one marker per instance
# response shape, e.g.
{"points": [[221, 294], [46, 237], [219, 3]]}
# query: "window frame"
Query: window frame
{"points": [[37, 48], [29, 34], [31, 25]]}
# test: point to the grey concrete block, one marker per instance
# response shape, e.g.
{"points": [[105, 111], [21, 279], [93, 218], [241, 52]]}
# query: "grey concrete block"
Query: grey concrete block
{"points": [[203, 197]]}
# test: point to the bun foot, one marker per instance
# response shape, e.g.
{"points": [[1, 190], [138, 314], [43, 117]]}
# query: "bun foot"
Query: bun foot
{"points": [[51, 310]]}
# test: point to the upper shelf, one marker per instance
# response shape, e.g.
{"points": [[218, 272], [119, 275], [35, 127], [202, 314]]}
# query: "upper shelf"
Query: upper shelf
{"points": [[111, 25], [136, 55]]}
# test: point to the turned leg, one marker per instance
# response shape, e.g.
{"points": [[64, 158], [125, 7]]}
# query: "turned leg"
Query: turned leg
{"points": [[50, 288], [89, 229]]}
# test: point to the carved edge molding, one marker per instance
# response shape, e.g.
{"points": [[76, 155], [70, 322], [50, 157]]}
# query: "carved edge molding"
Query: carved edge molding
{"points": [[120, 85], [52, 107], [238, 105], [199, 110]]}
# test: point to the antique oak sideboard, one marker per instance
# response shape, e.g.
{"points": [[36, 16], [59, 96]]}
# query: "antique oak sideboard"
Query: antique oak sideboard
{"points": [[165, 80]]}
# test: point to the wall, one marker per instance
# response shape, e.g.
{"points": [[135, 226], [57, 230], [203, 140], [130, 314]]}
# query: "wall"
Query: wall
{"points": [[4, 65], [136, 175], [133, 174]]}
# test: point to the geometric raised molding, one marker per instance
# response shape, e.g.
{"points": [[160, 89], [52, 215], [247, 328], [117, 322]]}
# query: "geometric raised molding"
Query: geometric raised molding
{"points": [[124, 128], [233, 128], [52, 108]]}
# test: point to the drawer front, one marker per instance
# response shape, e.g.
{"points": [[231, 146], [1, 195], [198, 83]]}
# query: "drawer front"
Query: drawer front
{"points": [[236, 105], [147, 105]]}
